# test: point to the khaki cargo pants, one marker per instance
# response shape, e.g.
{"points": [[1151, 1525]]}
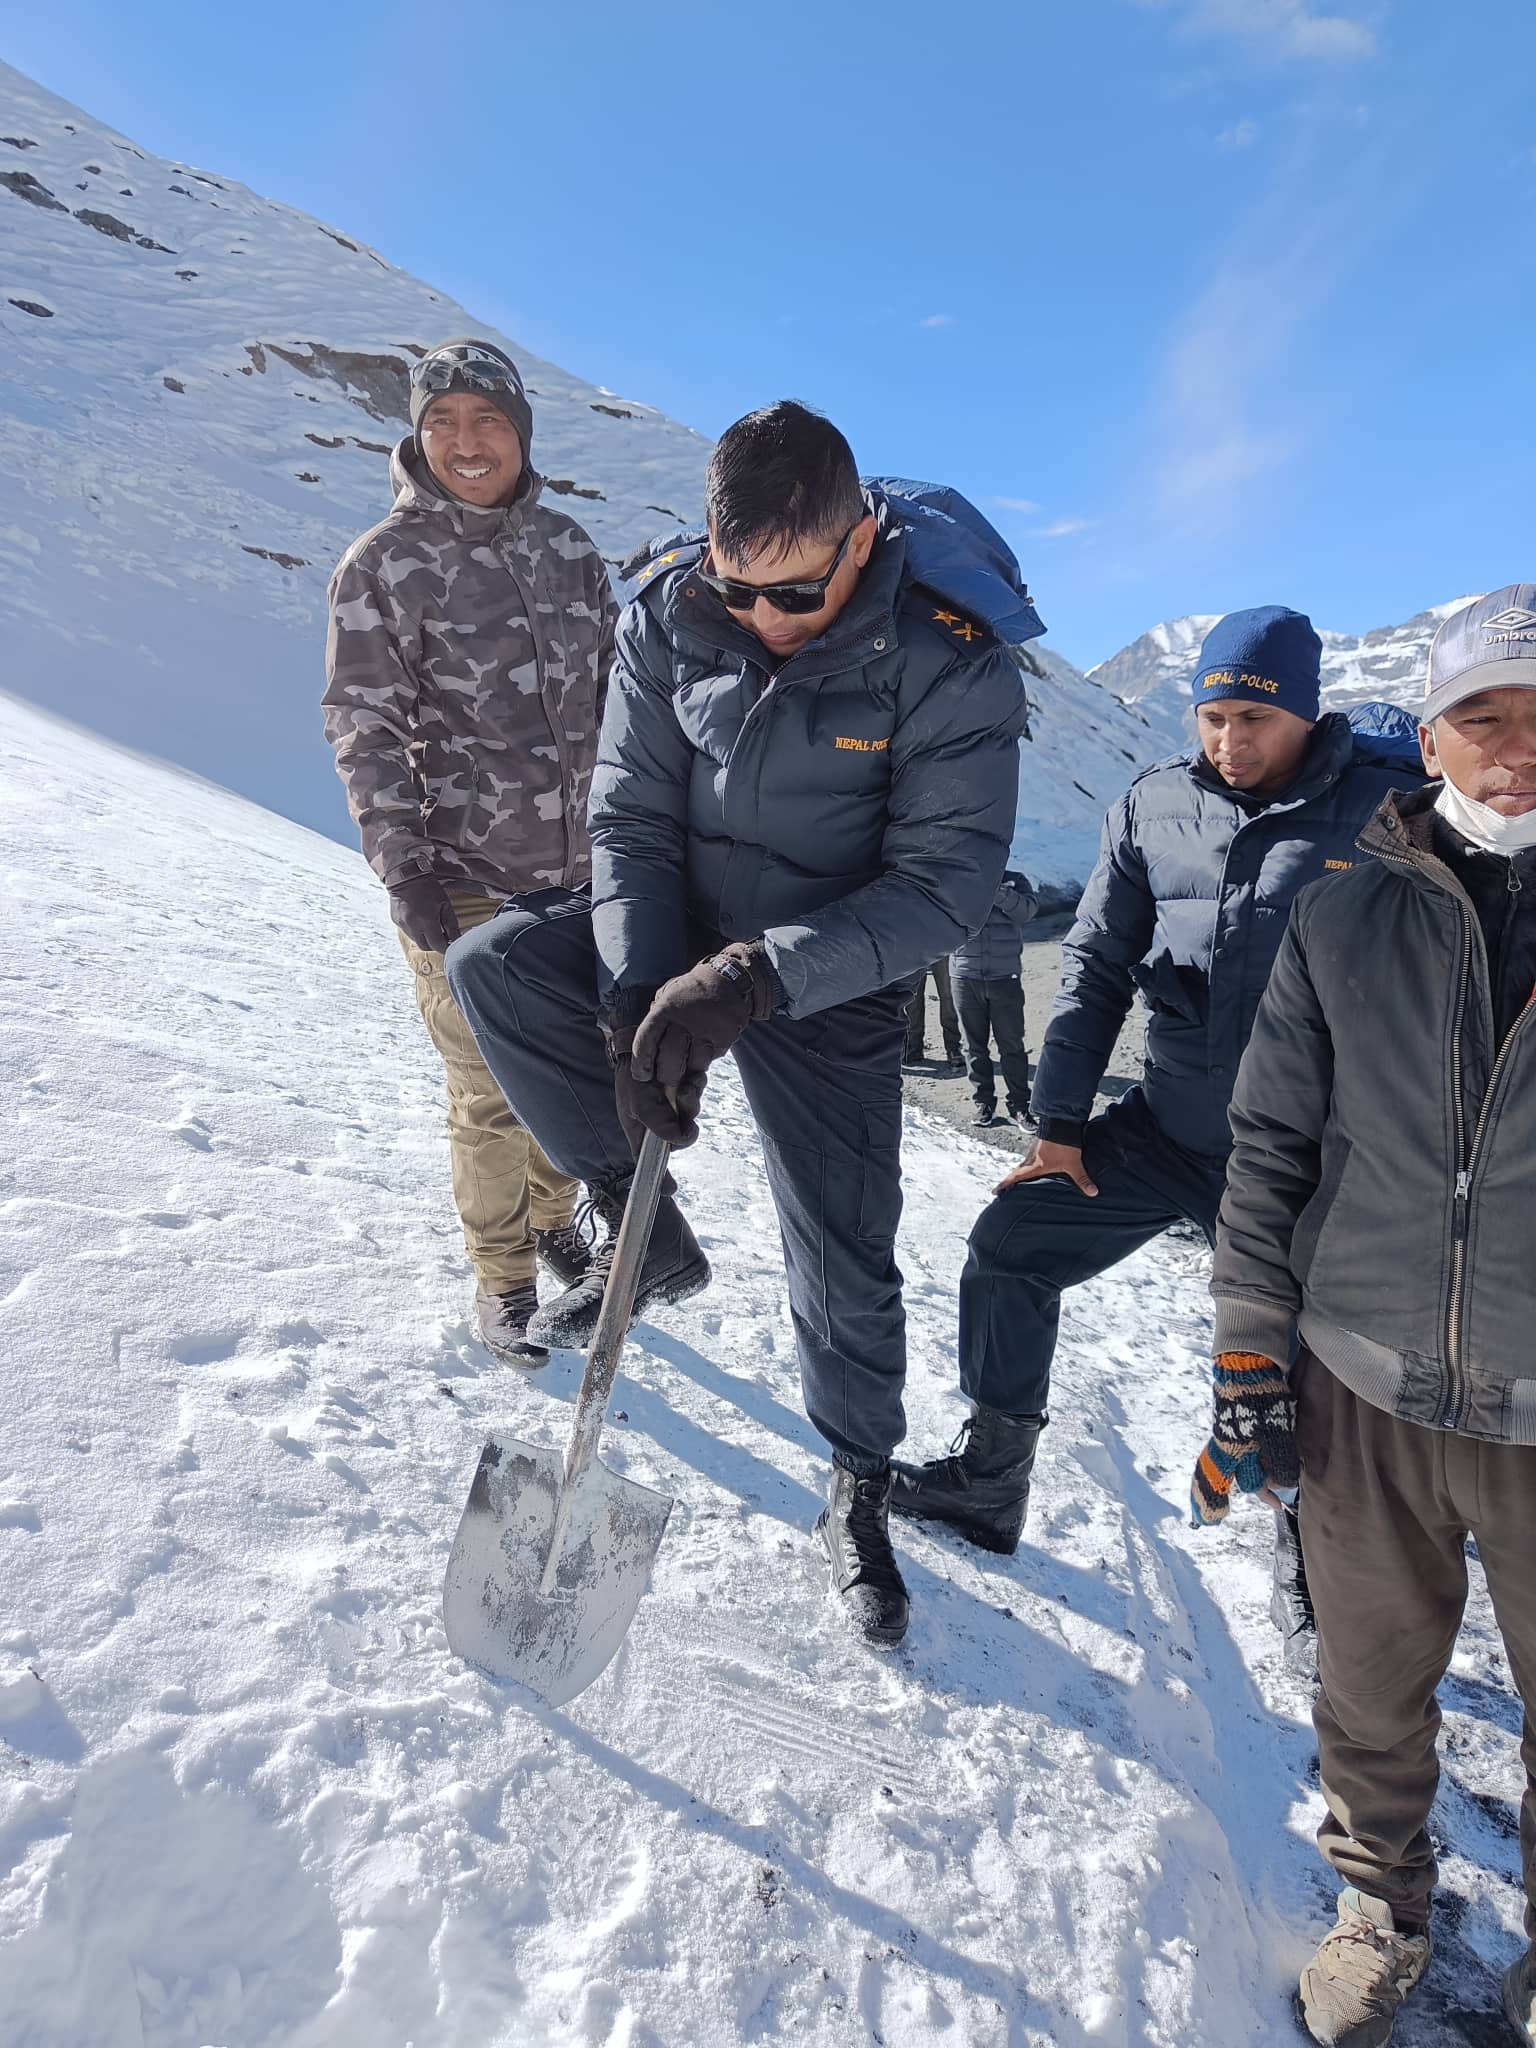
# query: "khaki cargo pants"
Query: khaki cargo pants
{"points": [[503, 1185], [1386, 1509]]}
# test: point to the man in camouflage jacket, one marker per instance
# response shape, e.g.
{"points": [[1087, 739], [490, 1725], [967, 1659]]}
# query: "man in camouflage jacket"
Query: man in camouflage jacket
{"points": [[471, 635]]}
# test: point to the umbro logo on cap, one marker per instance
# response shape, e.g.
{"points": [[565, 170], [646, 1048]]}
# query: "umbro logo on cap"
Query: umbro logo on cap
{"points": [[1489, 644]]}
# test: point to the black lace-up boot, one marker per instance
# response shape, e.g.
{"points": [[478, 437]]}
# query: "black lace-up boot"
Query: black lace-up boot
{"points": [[674, 1268], [982, 1487], [566, 1250], [865, 1576]]}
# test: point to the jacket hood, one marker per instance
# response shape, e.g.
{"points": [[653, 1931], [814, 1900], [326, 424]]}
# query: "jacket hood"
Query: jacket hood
{"points": [[417, 490]]}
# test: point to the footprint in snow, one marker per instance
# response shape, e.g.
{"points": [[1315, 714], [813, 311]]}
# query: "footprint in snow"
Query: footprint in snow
{"points": [[213, 1349]]}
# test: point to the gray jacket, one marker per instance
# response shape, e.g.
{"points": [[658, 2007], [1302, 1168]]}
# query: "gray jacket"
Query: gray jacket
{"points": [[466, 667], [993, 953], [1381, 1195], [852, 808]]}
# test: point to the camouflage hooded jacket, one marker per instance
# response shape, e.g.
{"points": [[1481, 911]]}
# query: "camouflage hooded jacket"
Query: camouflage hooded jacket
{"points": [[466, 665]]}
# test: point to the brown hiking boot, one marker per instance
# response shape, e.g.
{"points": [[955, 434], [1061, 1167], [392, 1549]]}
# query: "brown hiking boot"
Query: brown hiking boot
{"points": [[1362, 1972], [1520, 1995], [503, 1321]]}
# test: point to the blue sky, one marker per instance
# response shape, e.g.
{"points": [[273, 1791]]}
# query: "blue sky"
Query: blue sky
{"points": [[1207, 302]]}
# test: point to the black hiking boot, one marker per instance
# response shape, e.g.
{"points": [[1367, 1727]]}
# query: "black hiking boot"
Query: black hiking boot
{"points": [[982, 1487], [566, 1250], [674, 1268], [865, 1577], [503, 1321], [1290, 1601]]}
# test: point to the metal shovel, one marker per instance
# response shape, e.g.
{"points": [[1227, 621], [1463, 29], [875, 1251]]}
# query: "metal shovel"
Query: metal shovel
{"points": [[552, 1555]]}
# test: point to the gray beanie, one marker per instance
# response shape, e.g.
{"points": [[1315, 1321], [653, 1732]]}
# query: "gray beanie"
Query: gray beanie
{"points": [[478, 366]]}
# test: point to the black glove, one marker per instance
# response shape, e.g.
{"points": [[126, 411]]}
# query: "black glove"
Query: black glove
{"points": [[699, 1015], [647, 1106], [421, 908]]}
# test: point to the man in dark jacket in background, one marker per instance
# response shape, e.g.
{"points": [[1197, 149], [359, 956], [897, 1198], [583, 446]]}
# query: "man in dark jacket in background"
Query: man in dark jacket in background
{"points": [[989, 993], [1199, 863], [915, 1057], [805, 791], [1381, 1207], [471, 635]]}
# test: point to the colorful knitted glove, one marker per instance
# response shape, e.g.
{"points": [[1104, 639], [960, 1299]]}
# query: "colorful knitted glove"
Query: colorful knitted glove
{"points": [[1253, 1442]]}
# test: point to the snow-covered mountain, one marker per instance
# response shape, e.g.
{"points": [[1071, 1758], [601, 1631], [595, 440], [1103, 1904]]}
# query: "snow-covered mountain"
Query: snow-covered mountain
{"points": [[246, 1794], [1153, 673], [200, 388]]}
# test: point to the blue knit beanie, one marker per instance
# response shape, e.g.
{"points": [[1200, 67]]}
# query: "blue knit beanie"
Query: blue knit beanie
{"points": [[1269, 655]]}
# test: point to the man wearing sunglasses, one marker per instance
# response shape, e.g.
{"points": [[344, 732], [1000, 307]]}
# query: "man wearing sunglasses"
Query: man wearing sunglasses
{"points": [[471, 635], [805, 792]]}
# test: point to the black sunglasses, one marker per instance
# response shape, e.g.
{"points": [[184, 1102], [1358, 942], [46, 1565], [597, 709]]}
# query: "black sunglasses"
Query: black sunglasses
{"points": [[784, 597], [471, 369]]}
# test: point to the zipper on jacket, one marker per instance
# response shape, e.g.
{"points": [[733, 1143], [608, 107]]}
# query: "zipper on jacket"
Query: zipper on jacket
{"points": [[529, 595], [1463, 1208], [733, 844], [1462, 1203]]}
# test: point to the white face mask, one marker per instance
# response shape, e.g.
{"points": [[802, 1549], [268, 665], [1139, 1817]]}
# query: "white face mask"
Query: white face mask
{"points": [[1484, 827]]}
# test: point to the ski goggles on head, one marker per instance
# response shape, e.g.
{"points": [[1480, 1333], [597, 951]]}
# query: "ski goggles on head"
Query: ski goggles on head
{"points": [[474, 367], [784, 597]]}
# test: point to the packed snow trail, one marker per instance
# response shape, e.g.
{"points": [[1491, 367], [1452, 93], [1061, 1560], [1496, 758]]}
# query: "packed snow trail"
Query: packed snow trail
{"points": [[247, 1798]]}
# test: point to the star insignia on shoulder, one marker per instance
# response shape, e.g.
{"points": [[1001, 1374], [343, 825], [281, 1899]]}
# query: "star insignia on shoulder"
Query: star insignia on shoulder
{"points": [[961, 628], [661, 562]]}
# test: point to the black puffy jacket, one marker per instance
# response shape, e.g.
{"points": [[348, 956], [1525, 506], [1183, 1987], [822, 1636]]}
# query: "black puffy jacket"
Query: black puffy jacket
{"points": [[854, 808], [1188, 905]]}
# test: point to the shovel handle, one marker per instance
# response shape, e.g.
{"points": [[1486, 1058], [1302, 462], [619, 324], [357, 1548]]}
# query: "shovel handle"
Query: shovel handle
{"points": [[607, 1346]]}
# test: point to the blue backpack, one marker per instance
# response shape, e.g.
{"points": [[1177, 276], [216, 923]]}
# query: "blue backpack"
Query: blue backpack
{"points": [[958, 554], [1388, 735]]}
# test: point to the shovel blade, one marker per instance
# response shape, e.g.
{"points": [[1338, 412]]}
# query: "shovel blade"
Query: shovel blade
{"points": [[494, 1607]]}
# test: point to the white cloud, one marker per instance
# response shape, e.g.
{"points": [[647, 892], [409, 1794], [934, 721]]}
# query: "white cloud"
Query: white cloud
{"points": [[1060, 528], [1220, 427], [1241, 135], [1017, 504], [1290, 28], [938, 320]]}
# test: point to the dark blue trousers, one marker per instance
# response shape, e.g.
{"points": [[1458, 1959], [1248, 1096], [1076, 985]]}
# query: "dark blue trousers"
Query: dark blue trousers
{"points": [[825, 1094], [1032, 1241]]}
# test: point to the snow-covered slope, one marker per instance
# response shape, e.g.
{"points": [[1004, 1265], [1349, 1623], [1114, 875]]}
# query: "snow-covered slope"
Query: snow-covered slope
{"points": [[199, 388], [1083, 749], [1153, 673], [246, 1796]]}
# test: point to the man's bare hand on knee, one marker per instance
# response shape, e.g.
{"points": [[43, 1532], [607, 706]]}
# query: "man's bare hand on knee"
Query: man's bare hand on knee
{"points": [[1045, 1161]]}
